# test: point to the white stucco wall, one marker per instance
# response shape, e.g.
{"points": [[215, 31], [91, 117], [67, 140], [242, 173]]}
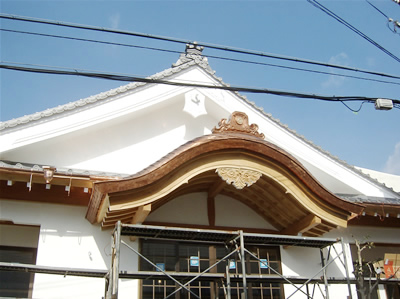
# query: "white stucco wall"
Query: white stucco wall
{"points": [[68, 240], [192, 209]]}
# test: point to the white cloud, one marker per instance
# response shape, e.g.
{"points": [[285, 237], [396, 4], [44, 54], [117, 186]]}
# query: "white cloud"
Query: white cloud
{"points": [[336, 81], [114, 20], [392, 165], [371, 62]]}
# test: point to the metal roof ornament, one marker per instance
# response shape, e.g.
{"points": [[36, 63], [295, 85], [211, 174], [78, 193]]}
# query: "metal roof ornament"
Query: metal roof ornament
{"points": [[238, 122]]}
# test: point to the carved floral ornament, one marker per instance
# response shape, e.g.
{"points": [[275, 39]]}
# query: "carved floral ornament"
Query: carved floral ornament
{"points": [[238, 122], [238, 177]]}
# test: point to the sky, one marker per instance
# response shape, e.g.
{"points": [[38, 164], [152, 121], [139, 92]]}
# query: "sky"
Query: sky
{"points": [[368, 138]]}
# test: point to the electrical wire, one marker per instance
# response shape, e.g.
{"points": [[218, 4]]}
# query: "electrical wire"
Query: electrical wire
{"points": [[352, 28], [354, 110], [389, 20], [176, 40], [208, 56], [378, 9], [127, 78]]}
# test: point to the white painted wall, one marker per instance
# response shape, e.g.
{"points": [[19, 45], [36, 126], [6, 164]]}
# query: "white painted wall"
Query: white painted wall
{"points": [[192, 208], [68, 240]]}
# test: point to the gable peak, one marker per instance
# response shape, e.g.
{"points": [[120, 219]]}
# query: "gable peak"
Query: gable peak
{"points": [[194, 49], [193, 54]]}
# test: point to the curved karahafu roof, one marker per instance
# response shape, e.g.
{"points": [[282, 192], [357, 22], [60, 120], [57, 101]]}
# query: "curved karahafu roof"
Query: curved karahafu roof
{"points": [[235, 161]]}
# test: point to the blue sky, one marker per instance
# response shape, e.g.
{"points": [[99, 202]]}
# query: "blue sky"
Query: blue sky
{"points": [[369, 138]]}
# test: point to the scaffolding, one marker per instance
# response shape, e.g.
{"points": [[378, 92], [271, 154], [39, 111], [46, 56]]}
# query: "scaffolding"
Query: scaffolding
{"points": [[237, 240]]}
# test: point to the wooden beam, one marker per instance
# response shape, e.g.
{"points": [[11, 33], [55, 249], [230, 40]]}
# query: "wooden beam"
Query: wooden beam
{"points": [[39, 193], [141, 214], [216, 188], [211, 211], [302, 225]]}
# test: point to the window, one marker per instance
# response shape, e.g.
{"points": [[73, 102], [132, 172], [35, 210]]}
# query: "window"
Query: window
{"points": [[18, 244], [191, 257], [16, 283]]}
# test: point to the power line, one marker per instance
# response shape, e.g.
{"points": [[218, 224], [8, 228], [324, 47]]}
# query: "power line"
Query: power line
{"points": [[352, 28], [176, 40], [126, 78], [208, 56], [377, 9], [389, 20]]}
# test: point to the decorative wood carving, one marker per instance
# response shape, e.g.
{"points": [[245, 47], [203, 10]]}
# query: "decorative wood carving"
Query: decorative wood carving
{"points": [[238, 177], [238, 122]]}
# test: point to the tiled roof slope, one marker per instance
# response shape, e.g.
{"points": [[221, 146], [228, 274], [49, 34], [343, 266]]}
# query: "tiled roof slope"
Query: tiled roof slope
{"points": [[61, 170], [192, 57]]}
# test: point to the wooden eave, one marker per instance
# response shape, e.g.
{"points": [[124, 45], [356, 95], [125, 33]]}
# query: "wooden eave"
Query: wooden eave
{"points": [[286, 195], [30, 185]]}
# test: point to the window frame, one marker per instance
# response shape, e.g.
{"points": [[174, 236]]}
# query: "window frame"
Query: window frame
{"points": [[268, 252]]}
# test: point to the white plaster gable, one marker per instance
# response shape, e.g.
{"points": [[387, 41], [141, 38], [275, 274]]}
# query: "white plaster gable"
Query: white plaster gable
{"points": [[126, 129]]}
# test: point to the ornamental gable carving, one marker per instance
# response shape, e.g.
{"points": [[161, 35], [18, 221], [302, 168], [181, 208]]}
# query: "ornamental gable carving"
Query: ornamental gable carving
{"points": [[238, 122], [238, 177]]}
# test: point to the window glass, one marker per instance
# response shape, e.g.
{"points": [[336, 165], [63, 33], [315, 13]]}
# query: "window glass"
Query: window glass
{"points": [[18, 244], [16, 283]]}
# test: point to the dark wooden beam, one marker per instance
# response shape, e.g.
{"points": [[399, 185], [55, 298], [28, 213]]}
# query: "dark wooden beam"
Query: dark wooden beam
{"points": [[216, 188], [38, 193], [375, 221], [211, 211]]}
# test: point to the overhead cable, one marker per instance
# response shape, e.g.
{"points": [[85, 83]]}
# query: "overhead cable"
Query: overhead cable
{"points": [[208, 56], [352, 28], [182, 41], [381, 12], [396, 24], [127, 78]]}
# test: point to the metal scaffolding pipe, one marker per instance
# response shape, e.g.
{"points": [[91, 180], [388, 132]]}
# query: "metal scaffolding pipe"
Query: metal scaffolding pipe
{"points": [[346, 268], [243, 261], [324, 272]]}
